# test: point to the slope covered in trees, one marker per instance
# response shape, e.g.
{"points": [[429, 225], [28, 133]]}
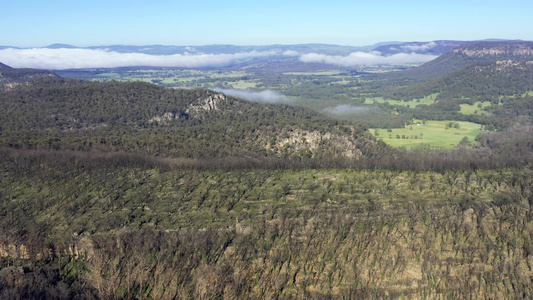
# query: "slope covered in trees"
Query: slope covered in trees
{"points": [[11, 75], [493, 74], [479, 82], [143, 118], [89, 226], [463, 56], [4, 67]]}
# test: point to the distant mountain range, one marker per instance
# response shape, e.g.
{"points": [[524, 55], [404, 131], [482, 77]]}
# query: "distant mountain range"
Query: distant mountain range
{"points": [[214, 49], [452, 56], [385, 48]]}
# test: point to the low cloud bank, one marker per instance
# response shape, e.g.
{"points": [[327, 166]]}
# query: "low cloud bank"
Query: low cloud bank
{"points": [[266, 96], [79, 58], [291, 53], [366, 59], [58, 59], [347, 110], [423, 47]]}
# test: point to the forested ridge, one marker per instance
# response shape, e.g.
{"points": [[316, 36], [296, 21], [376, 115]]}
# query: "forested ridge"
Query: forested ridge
{"points": [[499, 73], [463, 56], [480, 82], [146, 119], [507, 85]]}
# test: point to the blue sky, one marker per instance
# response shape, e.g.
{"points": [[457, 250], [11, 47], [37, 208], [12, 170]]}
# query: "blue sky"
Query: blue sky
{"points": [[32, 23]]}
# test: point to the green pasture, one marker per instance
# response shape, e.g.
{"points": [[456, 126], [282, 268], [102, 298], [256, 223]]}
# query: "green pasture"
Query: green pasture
{"points": [[317, 73], [243, 84], [109, 75], [477, 108], [188, 78], [436, 134], [428, 100]]}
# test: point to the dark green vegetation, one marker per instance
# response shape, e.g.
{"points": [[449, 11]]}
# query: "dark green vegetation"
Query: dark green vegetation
{"points": [[129, 190], [143, 118], [495, 72]]}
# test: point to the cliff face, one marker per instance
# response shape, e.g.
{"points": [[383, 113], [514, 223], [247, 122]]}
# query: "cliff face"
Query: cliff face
{"points": [[305, 142], [80, 247], [207, 104], [496, 49], [211, 103], [470, 54]]}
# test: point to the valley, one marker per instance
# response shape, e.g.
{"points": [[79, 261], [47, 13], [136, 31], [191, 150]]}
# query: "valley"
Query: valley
{"points": [[453, 87], [271, 177]]}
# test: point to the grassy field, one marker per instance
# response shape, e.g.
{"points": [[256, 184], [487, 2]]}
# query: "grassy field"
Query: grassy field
{"points": [[436, 134], [243, 84], [413, 103], [317, 73], [475, 109], [187, 78]]}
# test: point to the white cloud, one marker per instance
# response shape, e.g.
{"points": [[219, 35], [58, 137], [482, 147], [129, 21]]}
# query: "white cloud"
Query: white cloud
{"points": [[291, 53], [56, 59], [423, 47], [347, 109], [366, 58], [266, 96]]}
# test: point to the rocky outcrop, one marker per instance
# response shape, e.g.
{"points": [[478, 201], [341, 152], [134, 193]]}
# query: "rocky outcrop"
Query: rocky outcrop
{"points": [[162, 120], [83, 247], [211, 103], [14, 251], [518, 49], [203, 105], [310, 142]]}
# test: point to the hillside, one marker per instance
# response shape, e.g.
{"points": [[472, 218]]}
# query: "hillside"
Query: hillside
{"points": [[480, 76], [438, 47], [465, 55], [146, 119], [12, 76], [93, 226], [433, 47], [479, 82]]}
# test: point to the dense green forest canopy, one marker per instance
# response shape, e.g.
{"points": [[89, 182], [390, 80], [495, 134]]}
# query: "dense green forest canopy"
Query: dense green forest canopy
{"points": [[480, 82], [52, 113]]}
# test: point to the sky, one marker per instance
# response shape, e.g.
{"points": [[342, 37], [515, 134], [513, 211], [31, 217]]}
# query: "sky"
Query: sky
{"points": [[82, 23], [35, 23]]}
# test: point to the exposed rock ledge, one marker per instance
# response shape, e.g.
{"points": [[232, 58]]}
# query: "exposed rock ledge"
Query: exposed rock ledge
{"points": [[209, 104]]}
